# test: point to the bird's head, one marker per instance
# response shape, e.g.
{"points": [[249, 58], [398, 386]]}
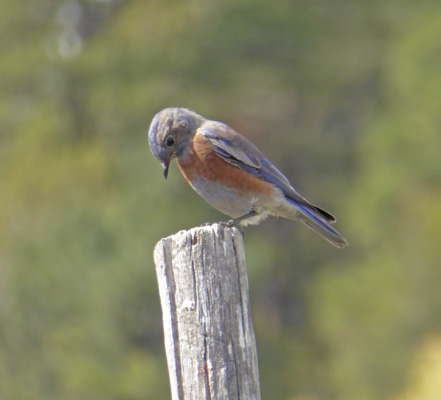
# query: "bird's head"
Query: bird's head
{"points": [[171, 133]]}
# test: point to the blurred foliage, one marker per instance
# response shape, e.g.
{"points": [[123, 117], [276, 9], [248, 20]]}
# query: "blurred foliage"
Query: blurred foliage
{"points": [[342, 96], [425, 383]]}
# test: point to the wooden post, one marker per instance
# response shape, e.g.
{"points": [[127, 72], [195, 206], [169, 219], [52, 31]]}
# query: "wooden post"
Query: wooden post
{"points": [[209, 338]]}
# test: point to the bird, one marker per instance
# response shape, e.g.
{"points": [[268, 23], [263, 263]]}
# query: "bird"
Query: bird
{"points": [[231, 173]]}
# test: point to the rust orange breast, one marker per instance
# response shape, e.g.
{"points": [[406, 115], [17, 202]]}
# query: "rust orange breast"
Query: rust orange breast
{"points": [[203, 163]]}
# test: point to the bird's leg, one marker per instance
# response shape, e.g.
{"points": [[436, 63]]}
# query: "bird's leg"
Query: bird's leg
{"points": [[236, 221], [233, 222]]}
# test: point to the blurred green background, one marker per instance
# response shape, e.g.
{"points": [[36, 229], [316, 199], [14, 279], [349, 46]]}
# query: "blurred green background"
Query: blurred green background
{"points": [[343, 96]]}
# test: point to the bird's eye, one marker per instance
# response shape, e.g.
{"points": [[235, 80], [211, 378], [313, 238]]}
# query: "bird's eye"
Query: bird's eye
{"points": [[170, 141]]}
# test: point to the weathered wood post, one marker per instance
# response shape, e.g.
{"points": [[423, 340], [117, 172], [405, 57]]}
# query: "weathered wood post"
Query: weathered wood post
{"points": [[209, 337]]}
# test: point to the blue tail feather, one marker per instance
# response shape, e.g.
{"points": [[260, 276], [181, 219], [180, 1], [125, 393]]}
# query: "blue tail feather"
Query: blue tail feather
{"points": [[312, 218]]}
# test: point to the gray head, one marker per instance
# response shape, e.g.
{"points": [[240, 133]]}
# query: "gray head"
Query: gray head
{"points": [[171, 132]]}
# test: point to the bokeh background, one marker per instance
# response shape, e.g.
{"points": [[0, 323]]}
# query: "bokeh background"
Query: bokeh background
{"points": [[343, 96]]}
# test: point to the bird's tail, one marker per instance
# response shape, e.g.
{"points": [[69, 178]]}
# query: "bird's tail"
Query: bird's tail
{"points": [[320, 221]]}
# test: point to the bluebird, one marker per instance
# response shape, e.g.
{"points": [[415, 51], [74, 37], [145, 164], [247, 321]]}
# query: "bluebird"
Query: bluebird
{"points": [[231, 173]]}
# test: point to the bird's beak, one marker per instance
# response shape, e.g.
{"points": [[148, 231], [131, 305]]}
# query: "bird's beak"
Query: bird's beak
{"points": [[165, 166]]}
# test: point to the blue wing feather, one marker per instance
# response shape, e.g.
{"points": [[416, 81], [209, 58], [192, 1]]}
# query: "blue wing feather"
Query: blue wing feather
{"points": [[240, 152]]}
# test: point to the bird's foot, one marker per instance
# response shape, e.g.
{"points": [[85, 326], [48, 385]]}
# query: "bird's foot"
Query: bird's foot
{"points": [[206, 224], [230, 223]]}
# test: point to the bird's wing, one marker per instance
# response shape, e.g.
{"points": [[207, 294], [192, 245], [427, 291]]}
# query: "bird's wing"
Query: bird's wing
{"points": [[240, 152]]}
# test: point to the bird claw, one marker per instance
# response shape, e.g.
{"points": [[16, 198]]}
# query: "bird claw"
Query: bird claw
{"points": [[229, 224], [232, 224]]}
